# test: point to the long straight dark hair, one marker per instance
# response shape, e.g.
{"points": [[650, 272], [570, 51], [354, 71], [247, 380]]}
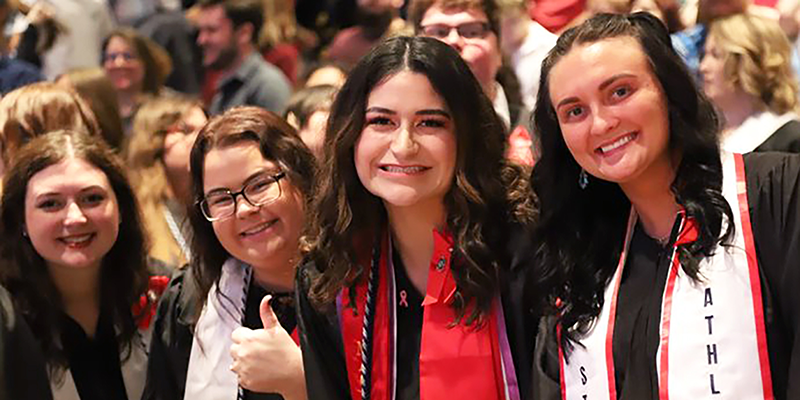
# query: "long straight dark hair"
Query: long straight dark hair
{"points": [[580, 232]]}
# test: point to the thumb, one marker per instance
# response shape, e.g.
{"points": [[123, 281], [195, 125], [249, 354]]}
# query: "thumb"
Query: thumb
{"points": [[268, 317]]}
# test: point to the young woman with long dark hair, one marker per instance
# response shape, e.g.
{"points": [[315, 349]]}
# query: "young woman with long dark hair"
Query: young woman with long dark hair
{"points": [[411, 290], [677, 262]]}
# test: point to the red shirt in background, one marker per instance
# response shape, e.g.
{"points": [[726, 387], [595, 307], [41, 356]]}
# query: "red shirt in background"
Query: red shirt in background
{"points": [[556, 14]]}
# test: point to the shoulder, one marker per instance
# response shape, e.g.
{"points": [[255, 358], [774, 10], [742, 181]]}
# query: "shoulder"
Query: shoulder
{"points": [[771, 168], [786, 138], [179, 302]]}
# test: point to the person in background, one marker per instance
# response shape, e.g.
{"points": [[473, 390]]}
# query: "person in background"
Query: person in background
{"points": [[376, 20], [226, 324], [169, 28], [76, 265], [417, 225], [324, 73], [137, 67], [93, 85], [690, 42], [228, 36], [308, 111], [279, 40], [668, 11], [526, 44], [556, 15], [73, 31], [473, 29], [748, 75], [164, 131], [39, 108], [675, 264], [13, 71]]}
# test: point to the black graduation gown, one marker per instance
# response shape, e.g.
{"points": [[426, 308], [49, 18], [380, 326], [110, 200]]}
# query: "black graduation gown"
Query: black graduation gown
{"points": [[323, 350], [22, 365], [171, 343], [773, 189], [786, 139]]}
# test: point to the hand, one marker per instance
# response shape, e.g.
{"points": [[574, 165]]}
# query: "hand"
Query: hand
{"points": [[267, 360]]}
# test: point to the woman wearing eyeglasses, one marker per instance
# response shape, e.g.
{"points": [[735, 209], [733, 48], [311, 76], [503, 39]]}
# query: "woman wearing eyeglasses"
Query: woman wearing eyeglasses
{"points": [[231, 314]]}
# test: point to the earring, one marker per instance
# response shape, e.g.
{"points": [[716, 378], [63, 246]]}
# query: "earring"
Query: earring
{"points": [[583, 179]]}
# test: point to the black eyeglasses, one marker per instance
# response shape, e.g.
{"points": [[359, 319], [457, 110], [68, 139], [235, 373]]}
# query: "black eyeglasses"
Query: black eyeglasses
{"points": [[260, 191], [469, 30]]}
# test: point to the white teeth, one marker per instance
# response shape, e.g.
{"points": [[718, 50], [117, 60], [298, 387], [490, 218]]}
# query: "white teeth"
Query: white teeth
{"points": [[258, 228], [77, 239], [403, 170], [617, 143]]}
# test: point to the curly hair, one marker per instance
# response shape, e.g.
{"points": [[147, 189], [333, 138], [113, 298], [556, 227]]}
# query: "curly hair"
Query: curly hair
{"points": [[24, 272], [278, 141], [487, 192], [758, 59], [579, 233]]}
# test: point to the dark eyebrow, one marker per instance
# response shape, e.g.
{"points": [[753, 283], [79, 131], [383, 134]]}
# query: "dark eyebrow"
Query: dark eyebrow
{"points": [[380, 110], [253, 176], [606, 83], [439, 112]]}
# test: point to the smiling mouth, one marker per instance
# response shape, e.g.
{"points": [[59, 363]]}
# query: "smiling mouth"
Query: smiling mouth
{"points": [[77, 241], [397, 169], [617, 143], [258, 228]]}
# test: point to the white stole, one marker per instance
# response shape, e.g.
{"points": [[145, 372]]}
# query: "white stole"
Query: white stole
{"points": [[712, 336], [209, 376]]}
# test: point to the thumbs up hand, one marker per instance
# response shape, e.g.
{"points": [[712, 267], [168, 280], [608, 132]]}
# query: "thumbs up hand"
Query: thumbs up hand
{"points": [[267, 360]]}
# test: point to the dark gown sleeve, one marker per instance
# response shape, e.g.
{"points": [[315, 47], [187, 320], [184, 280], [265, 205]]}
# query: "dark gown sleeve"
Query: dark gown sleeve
{"points": [[786, 139], [22, 365], [321, 342], [773, 182], [171, 341]]}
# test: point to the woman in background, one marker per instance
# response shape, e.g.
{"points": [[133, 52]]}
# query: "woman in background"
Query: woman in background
{"points": [[748, 75], [164, 131], [74, 262], [94, 86], [39, 108], [137, 66]]}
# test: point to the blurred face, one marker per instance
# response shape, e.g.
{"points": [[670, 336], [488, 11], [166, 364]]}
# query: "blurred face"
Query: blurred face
{"points": [[313, 133], [476, 43], [123, 66], [712, 9], [260, 236], [379, 6], [326, 76], [716, 86], [216, 37], [71, 215], [612, 110], [178, 142], [406, 154]]}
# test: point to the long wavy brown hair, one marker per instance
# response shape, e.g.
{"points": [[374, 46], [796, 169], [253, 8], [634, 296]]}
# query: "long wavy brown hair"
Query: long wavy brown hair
{"points": [[486, 195], [24, 272]]}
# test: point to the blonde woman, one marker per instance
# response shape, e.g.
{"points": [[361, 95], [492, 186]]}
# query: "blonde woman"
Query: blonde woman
{"points": [[164, 130], [747, 74]]}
